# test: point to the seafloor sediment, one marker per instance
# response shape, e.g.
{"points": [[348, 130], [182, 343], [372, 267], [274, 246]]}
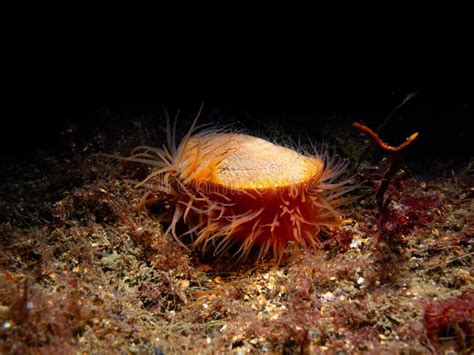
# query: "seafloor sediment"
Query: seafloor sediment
{"points": [[81, 270]]}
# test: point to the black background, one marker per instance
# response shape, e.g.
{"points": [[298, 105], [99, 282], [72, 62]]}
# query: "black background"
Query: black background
{"points": [[443, 116]]}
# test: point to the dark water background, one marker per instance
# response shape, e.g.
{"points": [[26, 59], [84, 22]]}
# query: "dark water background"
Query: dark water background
{"points": [[444, 118]]}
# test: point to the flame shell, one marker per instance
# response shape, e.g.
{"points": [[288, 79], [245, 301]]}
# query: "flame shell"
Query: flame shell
{"points": [[237, 192]]}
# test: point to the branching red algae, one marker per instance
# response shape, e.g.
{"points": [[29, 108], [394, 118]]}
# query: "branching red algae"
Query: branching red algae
{"points": [[452, 318], [396, 155]]}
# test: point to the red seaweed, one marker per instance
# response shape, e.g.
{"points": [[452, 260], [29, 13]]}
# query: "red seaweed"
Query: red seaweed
{"points": [[410, 212], [451, 318]]}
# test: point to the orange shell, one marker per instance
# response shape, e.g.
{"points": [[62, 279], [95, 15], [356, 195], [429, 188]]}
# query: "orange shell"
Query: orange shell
{"points": [[239, 161]]}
